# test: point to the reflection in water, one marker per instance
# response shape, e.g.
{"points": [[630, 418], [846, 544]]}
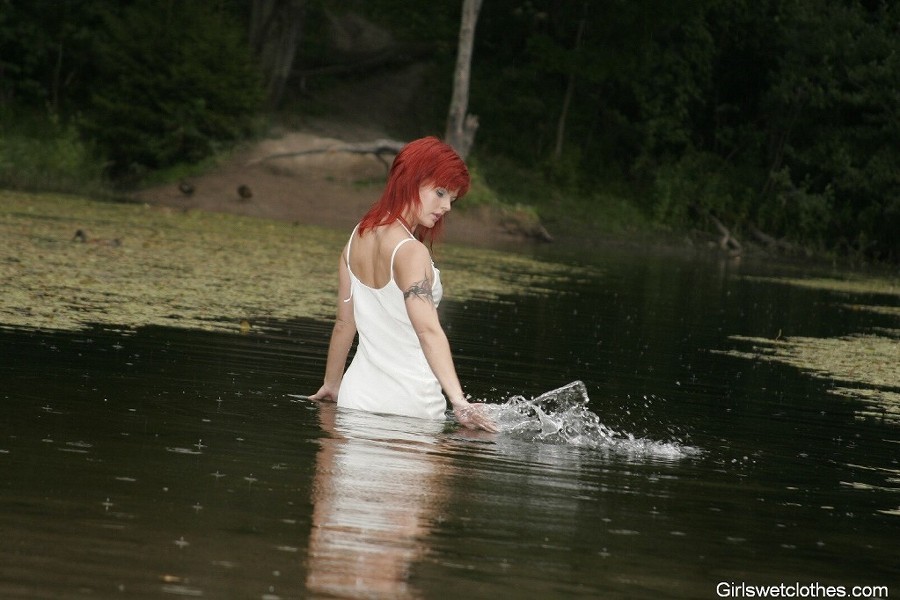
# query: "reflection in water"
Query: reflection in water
{"points": [[381, 480], [376, 486]]}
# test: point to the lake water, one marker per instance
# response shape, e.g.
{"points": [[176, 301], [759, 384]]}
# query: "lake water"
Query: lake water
{"points": [[158, 461]]}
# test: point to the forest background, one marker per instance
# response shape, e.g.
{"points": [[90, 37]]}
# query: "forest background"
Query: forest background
{"points": [[769, 120]]}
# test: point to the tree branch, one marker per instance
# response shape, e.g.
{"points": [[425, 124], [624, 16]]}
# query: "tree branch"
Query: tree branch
{"points": [[377, 147], [728, 241]]}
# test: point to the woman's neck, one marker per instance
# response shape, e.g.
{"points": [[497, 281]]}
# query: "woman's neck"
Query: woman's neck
{"points": [[406, 224]]}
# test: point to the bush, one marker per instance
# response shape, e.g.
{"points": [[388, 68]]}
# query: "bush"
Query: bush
{"points": [[43, 154], [175, 84], [697, 185], [796, 211]]}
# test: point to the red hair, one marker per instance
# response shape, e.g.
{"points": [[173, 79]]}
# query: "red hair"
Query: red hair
{"points": [[426, 161]]}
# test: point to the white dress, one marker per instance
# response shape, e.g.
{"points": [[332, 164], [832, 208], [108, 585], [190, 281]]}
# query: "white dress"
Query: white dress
{"points": [[389, 373]]}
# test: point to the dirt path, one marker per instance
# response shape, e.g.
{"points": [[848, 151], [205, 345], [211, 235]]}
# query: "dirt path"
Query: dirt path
{"points": [[333, 188]]}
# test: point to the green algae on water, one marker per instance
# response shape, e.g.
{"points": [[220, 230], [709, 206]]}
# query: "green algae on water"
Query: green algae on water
{"points": [[855, 285], [135, 265], [865, 364], [860, 285]]}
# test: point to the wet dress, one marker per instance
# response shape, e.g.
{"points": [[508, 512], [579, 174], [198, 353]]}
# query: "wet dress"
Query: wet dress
{"points": [[389, 372]]}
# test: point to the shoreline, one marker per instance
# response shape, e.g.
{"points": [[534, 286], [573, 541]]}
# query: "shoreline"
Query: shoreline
{"points": [[298, 178]]}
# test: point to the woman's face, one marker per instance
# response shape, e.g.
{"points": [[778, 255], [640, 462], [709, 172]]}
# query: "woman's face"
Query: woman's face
{"points": [[436, 202]]}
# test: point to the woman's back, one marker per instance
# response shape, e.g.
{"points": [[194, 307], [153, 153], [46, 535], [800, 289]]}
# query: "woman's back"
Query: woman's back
{"points": [[389, 292], [370, 254], [389, 373]]}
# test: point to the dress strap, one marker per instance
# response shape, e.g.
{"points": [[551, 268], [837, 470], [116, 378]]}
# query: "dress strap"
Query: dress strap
{"points": [[394, 253], [400, 243], [402, 224], [349, 244]]}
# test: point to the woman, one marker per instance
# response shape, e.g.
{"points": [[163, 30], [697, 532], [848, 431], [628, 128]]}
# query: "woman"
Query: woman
{"points": [[389, 290]]}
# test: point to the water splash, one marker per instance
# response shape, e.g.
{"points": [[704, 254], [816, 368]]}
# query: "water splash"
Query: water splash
{"points": [[562, 416]]}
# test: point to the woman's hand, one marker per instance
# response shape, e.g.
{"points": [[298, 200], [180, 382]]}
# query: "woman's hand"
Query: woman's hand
{"points": [[472, 416], [326, 393]]}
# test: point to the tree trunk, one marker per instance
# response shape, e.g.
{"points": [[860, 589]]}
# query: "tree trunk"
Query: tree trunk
{"points": [[275, 27], [461, 127], [570, 92]]}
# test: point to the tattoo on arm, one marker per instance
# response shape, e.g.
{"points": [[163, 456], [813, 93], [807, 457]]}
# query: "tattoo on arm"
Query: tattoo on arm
{"points": [[421, 290]]}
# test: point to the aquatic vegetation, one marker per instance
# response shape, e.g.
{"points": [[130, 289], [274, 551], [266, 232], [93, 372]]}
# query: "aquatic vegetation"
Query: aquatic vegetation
{"points": [[74, 262], [857, 285], [136, 265], [893, 311], [880, 404], [871, 285], [490, 275], [866, 361]]}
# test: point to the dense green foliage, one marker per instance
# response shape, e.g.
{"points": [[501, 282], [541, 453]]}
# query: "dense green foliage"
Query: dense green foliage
{"points": [[45, 155], [779, 115], [147, 84], [44, 61], [177, 82], [774, 116]]}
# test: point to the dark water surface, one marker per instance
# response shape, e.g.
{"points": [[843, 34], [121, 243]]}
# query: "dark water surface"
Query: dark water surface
{"points": [[165, 462]]}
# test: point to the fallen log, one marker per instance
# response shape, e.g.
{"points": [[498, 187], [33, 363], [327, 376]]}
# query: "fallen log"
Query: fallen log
{"points": [[727, 241], [770, 241], [377, 147]]}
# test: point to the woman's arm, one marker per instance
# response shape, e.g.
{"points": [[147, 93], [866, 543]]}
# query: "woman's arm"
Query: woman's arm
{"points": [[415, 275], [342, 337]]}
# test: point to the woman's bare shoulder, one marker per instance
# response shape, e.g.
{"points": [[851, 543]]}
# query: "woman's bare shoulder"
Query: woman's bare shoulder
{"points": [[412, 257]]}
